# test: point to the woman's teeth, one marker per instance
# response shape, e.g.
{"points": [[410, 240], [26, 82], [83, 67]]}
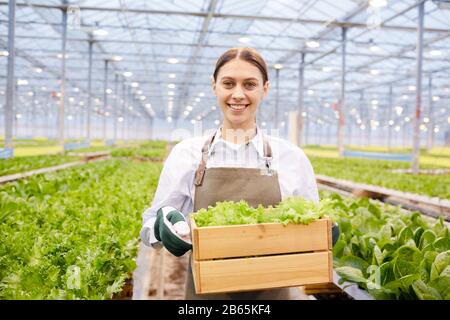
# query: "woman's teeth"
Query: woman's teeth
{"points": [[238, 107]]}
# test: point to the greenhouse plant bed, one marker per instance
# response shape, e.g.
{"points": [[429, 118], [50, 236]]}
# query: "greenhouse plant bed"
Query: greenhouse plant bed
{"points": [[127, 291], [261, 256]]}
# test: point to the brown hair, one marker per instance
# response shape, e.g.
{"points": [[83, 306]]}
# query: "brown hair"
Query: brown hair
{"points": [[247, 54]]}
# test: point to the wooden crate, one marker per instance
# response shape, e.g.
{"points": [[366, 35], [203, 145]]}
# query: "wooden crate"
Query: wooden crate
{"points": [[261, 256]]}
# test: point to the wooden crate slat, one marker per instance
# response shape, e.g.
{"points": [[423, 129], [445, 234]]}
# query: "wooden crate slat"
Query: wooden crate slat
{"points": [[243, 274], [260, 239]]}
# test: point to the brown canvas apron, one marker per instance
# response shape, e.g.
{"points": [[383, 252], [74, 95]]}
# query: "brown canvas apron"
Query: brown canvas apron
{"points": [[256, 186]]}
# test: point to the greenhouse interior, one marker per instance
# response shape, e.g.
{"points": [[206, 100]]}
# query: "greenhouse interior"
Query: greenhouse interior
{"points": [[232, 150]]}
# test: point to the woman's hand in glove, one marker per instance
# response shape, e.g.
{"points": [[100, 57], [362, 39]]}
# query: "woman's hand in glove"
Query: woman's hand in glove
{"points": [[173, 231]]}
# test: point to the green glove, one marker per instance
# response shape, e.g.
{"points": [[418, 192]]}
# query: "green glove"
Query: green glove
{"points": [[335, 233], [170, 226]]}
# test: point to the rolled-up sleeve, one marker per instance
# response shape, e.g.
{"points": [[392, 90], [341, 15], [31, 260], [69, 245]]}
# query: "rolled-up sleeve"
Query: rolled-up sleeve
{"points": [[173, 190], [307, 186]]}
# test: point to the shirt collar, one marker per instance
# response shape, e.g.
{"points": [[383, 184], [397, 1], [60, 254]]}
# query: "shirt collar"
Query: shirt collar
{"points": [[257, 141]]}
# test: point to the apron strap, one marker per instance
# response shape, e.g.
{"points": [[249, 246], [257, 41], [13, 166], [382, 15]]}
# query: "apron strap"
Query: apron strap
{"points": [[200, 173]]}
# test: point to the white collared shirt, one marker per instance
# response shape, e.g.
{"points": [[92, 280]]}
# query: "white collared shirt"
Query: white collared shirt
{"points": [[176, 183]]}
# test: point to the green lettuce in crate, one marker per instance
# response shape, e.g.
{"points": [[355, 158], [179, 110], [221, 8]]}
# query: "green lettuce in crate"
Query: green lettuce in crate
{"points": [[290, 210]]}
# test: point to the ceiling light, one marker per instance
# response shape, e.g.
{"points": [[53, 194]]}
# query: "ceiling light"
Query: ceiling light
{"points": [[435, 53], [135, 84], [127, 74], [22, 82], [374, 48], [100, 32], [172, 75], [172, 60], [378, 3], [60, 56], [436, 98], [201, 94], [310, 92], [244, 40], [171, 86], [186, 113], [278, 66], [213, 108], [327, 69], [189, 108], [312, 44], [38, 70], [4, 53], [398, 110], [171, 93], [411, 88], [374, 72], [116, 58]]}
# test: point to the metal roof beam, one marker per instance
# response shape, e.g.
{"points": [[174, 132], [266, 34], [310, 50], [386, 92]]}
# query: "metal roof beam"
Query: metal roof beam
{"points": [[381, 56], [234, 16]]}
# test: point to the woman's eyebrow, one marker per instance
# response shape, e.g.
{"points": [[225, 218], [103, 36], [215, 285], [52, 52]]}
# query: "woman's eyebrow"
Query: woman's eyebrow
{"points": [[231, 78]]}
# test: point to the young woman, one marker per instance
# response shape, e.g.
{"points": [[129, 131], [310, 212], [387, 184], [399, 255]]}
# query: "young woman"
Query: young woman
{"points": [[237, 162]]}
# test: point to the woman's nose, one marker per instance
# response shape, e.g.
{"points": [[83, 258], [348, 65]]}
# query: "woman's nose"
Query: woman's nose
{"points": [[238, 93]]}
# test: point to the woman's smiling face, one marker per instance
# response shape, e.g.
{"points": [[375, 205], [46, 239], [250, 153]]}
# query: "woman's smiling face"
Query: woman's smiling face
{"points": [[239, 89]]}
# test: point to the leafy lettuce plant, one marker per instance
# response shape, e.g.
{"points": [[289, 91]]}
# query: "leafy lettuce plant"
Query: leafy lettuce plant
{"points": [[391, 253], [290, 210]]}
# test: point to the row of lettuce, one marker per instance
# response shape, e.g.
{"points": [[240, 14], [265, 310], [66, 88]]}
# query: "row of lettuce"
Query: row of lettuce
{"points": [[73, 234], [150, 150], [381, 173]]}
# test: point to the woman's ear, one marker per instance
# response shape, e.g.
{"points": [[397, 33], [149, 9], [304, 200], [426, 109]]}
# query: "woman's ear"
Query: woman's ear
{"points": [[266, 88], [213, 84]]}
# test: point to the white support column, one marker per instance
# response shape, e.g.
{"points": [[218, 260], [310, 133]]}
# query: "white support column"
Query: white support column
{"points": [[61, 116], [301, 89], [341, 106], [430, 131], [10, 79], [294, 127], [419, 58]]}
